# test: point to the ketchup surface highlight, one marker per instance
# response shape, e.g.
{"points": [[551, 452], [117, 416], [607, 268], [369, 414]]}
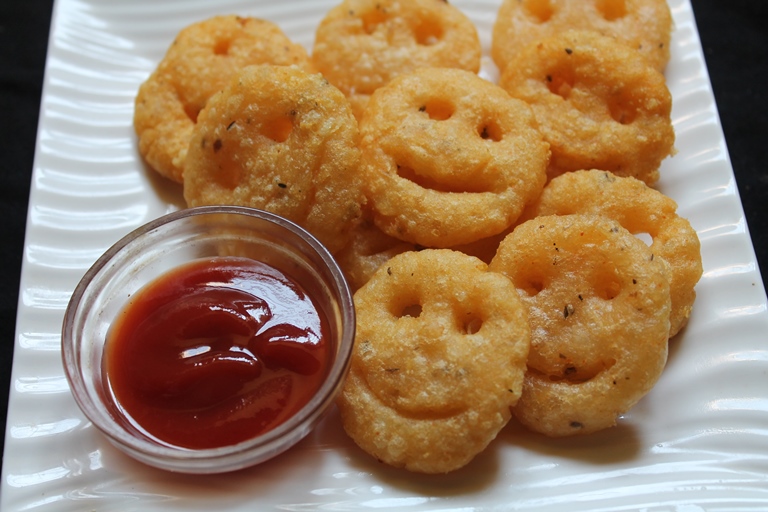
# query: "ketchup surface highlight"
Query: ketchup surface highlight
{"points": [[216, 352]]}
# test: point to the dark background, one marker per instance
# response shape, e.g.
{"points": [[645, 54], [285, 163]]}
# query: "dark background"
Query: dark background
{"points": [[733, 34]]}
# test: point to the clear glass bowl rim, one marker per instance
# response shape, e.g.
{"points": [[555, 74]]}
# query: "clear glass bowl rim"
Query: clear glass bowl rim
{"points": [[225, 458]]}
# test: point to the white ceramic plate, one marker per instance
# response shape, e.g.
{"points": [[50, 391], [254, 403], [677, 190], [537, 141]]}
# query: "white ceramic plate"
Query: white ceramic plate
{"points": [[699, 441]]}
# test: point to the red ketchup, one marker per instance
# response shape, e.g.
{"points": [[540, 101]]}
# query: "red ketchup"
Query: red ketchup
{"points": [[216, 352]]}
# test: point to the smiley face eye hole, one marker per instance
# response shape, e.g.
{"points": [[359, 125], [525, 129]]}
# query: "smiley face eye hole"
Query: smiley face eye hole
{"points": [[410, 310], [622, 111], [561, 83], [372, 19], [490, 131], [612, 10], [428, 32], [531, 285], [540, 10], [222, 47], [471, 324], [278, 129], [438, 109]]}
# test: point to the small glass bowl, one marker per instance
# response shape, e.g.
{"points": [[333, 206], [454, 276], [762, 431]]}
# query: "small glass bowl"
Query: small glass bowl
{"points": [[162, 245]]}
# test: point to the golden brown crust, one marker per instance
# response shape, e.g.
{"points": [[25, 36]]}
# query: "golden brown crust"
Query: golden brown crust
{"points": [[598, 304], [448, 158], [439, 358], [283, 140], [641, 210], [644, 25], [598, 103], [201, 60], [368, 249], [361, 45]]}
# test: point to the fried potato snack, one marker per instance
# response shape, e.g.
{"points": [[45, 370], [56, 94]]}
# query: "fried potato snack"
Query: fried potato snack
{"points": [[598, 103], [598, 304], [644, 25], [448, 158], [642, 211], [361, 45], [439, 358], [279, 139], [201, 60], [368, 249]]}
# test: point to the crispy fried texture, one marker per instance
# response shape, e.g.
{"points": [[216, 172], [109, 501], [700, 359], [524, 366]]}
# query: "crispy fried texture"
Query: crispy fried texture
{"points": [[644, 25], [641, 210], [283, 140], [439, 358], [598, 103], [485, 248], [361, 45], [368, 249], [598, 304], [448, 158], [201, 60]]}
